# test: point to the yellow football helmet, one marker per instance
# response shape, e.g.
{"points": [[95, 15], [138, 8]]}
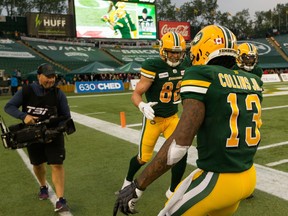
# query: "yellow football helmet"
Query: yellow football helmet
{"points": [[247, 56], [172, 42], [120, 13], [120, 5], [211, 42]]}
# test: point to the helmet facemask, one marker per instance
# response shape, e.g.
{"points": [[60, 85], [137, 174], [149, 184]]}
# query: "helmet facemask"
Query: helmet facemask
{"points": [[247, 56], [248, 61], [175, 58]]}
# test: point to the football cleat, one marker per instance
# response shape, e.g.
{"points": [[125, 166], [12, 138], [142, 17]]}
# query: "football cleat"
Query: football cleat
{"points": [[168, 193]]}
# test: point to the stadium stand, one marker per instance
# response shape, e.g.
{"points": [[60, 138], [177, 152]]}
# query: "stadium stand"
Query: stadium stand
{"points": [[132, 54], [67, 56], [71, 55], [15, 55], [282, 41]]}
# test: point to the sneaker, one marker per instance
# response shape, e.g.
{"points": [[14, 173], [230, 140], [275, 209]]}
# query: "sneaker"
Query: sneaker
{"points": [[43, 194], [125, 183], [61, 205], [169, 193]]}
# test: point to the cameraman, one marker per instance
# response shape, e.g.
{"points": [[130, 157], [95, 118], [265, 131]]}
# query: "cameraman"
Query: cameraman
{"points": [[39, 101]]}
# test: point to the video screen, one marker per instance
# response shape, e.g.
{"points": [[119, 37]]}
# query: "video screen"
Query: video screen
{"points": [[115, 19]]}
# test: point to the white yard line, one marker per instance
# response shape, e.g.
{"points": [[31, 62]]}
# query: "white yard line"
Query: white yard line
{"points": [[275, 94], [276, 107], [277, 163], [272, 145], [95, 113], [52, 195], [98, 95], [134, 125], [268, 180], [125, 93]]}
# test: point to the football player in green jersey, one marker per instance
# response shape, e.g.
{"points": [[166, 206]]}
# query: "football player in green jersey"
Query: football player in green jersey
{"points": [[247, 59], [119, 18], [121, 24], [160, 82], [223, 107]]}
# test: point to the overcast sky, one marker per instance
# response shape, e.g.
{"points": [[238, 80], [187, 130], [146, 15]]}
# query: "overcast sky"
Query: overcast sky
{"points": [[234, 6]]}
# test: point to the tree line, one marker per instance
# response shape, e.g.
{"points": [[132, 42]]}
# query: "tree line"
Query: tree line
{"points": [[198, 13]]}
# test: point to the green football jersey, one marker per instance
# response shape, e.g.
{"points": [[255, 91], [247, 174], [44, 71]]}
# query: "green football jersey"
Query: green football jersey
{"points": [[229, 136], [122, 25], [165, 88], [256, 70], [186, 62]]}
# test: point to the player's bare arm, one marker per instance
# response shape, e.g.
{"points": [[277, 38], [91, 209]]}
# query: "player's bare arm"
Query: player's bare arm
{"points": [[190, 121], [142, 86]]}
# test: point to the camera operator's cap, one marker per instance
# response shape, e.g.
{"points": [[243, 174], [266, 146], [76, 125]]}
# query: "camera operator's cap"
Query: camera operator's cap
{"points": [[46, 69]]}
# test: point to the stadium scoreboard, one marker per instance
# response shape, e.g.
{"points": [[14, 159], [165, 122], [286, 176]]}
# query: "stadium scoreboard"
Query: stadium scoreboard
{"points": [[101, 19], [141, 1]]}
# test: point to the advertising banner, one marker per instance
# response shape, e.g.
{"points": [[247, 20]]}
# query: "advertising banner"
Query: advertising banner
{"points": [[101, 86], [182, 28], [284, 77], [67, 52], [50, 25], [270, 78], [11, 49], [133, 55]]}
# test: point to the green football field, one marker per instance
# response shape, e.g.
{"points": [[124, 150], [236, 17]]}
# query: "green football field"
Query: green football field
{"points": [[98, 154]]}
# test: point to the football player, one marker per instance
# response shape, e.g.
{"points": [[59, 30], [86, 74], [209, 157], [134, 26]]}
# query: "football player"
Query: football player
{"points": [[145, 21], [160, 82], [113, 16], [247, 59], [223, 107], [121, 24]]}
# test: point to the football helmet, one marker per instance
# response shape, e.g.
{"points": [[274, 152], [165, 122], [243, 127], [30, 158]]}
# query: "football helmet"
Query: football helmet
{"points": [[247, 56], [120, 13], [175, 43], [120, 5], [211, 42]]}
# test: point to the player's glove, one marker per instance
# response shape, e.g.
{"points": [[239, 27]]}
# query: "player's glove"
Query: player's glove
{"points": [[105, 18], [146, 109], [127, 199]]}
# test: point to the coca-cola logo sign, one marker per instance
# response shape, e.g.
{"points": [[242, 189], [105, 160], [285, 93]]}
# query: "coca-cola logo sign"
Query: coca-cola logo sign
{"points": [[182, 28]]}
